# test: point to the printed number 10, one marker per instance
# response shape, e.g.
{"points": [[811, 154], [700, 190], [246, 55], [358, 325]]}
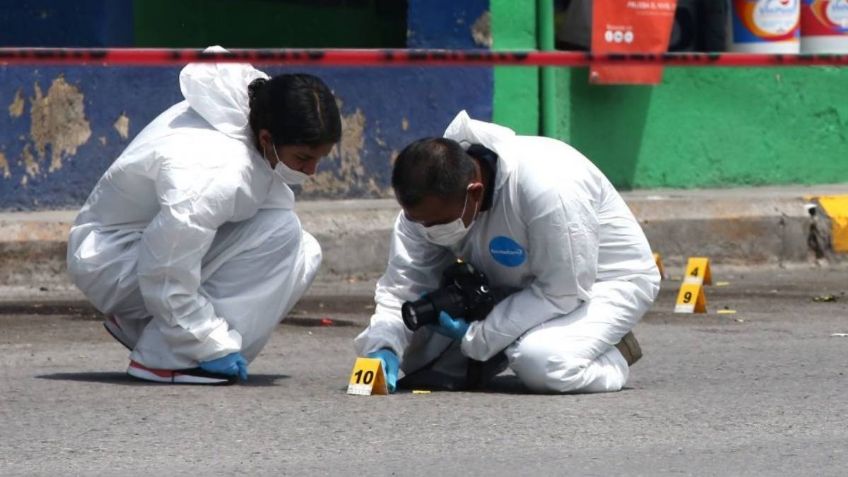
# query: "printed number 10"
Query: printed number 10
{"points": [[365, 378]]}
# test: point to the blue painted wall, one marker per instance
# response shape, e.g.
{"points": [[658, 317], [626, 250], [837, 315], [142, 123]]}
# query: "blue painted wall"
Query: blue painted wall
{"points": [[443, 23], [390, 106], [393, 107]]}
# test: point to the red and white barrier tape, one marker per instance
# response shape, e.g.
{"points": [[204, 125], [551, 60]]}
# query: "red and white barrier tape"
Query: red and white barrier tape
{"points": [[396, 57]]}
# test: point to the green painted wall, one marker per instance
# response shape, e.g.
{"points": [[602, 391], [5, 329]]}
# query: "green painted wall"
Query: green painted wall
{"points": [[270, 23], [702, 127], [712, 127], [516, 96]]}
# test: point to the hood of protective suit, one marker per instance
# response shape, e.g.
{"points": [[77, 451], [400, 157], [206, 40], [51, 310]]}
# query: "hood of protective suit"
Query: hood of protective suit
{"points": [[467, 131], [218, 93]]}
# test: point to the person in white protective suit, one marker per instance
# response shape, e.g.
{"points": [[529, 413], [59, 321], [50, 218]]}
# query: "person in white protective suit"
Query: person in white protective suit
{"points": [[536, 217], [189, 243]]}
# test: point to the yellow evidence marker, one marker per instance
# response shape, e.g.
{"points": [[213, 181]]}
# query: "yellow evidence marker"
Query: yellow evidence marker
{"points": [[658, 260], [836, 208], [698, 271], [367, 378], [691, 299]]}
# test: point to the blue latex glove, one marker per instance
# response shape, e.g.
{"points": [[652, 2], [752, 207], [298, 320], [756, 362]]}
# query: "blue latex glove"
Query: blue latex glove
{"points": [[391, 364], [232, 364], [451, 327]]}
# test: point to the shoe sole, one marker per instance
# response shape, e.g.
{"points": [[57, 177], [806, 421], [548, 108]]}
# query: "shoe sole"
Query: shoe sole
{"points": [[629, 348], [192, 376], [115, 330]]}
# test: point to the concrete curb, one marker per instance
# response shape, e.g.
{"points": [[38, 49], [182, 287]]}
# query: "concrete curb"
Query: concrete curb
{"points": [[731, 226]]}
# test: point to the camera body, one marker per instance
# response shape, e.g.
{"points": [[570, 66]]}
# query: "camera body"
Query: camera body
{"points": [[464, 292]]}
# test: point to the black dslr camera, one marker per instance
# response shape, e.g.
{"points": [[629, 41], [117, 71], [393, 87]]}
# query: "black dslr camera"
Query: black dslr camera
{"points": [[464, 292]]}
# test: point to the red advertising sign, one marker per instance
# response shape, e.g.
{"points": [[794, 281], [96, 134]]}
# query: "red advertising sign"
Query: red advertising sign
{"points": [[630, 26]]}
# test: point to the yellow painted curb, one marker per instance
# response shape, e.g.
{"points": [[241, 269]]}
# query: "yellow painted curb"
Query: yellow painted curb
{"points": [[836, 208]]}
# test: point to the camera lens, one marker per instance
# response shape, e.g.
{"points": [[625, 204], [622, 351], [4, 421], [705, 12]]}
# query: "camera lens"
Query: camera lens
{"points": [[418, 313]]}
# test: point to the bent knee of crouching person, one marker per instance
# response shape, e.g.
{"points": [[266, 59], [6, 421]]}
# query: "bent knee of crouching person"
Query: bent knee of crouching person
{"points": [[543, 371]]}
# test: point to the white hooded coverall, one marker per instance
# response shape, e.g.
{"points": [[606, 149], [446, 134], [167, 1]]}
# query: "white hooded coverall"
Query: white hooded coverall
{"points": [[189, 239], [559, 232]]}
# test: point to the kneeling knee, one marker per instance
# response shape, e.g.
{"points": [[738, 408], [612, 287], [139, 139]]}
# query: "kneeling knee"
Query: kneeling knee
{"points": [[550, 373]]}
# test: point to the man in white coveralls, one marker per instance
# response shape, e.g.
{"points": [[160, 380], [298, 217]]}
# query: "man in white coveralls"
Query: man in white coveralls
{"points": [[534, 215], [189, 243]]}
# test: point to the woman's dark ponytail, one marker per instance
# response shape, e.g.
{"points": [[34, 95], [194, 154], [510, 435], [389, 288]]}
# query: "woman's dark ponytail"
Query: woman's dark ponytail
{"points": [[253, 90]]}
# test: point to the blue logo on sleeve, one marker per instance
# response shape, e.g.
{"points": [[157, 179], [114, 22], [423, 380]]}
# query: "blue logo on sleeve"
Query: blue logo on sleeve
{"points": [[507, 252]]}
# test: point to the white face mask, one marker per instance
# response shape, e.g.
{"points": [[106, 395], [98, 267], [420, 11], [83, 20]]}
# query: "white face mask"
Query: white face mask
{"points": [[451, 233], [286, 173]]}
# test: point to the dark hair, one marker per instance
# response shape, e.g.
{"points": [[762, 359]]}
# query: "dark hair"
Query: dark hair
{"points": [[431, 167], [297, 109]]}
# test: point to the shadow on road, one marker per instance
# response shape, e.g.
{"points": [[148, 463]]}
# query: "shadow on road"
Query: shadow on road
{"points": [[511, 384], [99, 377], [123, 379], [506, 384], [257, 380]]}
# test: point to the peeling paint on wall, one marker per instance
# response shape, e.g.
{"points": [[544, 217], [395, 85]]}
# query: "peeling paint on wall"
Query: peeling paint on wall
{"points": [[481, 30], [58, 119], [30, 164], [16, 109], [122, 125], [4, 164], [350, 147], [348, 171]]}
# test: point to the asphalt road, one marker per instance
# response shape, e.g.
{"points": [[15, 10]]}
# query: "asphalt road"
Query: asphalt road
{"points": [[760, 392]]}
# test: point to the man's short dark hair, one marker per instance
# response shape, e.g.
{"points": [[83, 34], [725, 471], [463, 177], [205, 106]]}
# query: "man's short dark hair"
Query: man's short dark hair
{"points": [[431, 167]]}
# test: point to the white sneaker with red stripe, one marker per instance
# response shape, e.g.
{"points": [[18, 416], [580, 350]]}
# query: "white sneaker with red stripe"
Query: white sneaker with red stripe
{"points": [[177, 376]]}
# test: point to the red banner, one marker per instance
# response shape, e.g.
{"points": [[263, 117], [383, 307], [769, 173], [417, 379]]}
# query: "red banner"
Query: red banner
{"points": [[630, 26]]}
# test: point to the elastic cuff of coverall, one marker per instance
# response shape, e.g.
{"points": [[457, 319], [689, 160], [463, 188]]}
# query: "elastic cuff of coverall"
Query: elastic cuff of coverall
{"points": [[382, 342], [475, 347], [221, 342]]}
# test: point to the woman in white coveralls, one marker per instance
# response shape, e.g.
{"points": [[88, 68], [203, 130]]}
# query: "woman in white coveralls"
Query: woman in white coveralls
{"points": [[189, 243], [536, 216]]}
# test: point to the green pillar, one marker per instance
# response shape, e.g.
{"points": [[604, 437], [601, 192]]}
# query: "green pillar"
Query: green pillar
{"points": [[547, 85], [516, 95]]}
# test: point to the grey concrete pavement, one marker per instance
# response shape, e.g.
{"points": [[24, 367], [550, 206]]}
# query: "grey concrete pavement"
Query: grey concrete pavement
{"points": [[742, 226], [759, 392]]}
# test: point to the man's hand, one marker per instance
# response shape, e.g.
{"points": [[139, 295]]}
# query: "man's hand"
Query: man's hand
{"points": [[391, 364], [451, 327], [232, 364]]}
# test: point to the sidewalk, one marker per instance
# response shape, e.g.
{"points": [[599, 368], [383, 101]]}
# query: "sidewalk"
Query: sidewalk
{"points": [[745, 226]]}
